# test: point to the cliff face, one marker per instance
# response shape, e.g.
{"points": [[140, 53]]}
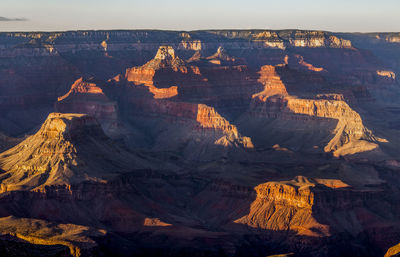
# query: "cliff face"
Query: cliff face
{"points": [[197, 131], [174, 88], [55, 43], [272, 83], [87, 98], [274, 105], [163, 74], [280, 206], [345, 132]]}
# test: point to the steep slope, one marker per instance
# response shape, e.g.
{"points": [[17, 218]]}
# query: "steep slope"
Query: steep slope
{"points": [[325, 121], [67, 149], [163, 74], [203, 135], [88, 98], [287, 205], [165, 96]]}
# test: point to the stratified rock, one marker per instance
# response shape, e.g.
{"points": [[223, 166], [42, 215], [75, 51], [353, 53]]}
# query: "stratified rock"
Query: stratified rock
{"points": [[340, 128], [88, 98], [67, 149], [285, 206]]}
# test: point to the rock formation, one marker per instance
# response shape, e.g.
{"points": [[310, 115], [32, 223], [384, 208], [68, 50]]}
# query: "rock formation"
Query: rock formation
{"points": [[67, 149], [76, 238], [87, 98], [198, 129], [335, 116]]}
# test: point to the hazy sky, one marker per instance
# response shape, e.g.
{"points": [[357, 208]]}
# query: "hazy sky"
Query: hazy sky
{"points": [[332, 15]]}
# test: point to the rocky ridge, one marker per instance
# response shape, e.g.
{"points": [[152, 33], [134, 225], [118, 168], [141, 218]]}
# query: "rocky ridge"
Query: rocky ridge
{"points": [[62, 152]]}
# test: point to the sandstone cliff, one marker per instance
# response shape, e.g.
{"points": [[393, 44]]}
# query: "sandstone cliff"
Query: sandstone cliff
{"points": [[343, 129], [174, 89], [87, 98]]}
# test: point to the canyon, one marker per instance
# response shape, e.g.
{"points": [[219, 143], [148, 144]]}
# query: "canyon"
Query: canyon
{"points": [[199, 143]]}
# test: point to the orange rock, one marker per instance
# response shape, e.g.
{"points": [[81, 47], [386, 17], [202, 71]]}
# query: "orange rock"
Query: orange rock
{"points": [[273, 84], [88, 98]]}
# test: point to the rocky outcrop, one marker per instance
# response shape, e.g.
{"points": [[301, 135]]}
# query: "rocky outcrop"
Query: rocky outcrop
{"points": [[297, 61], [272, 83], [329, 112], [67, 149], [348, 134], [389, 74], [198, 131], [76, 238], [168, 77], [88, 98], [393, 251], [317, 39], [164, 74], [312, 207], [285, 206]]}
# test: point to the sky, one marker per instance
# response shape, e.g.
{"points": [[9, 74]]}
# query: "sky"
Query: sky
{"points": [[337, 15]]}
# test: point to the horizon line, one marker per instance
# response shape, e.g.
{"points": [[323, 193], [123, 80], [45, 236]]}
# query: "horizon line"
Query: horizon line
{"points": [[193, 30]]}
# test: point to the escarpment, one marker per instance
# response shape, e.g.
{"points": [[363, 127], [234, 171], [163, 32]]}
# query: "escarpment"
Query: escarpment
{"points": [[340, 129], [87, 98], [174, 90], [198, 130], [164, 73], [280, 206], [313, 207], [348, 134], [61, 42]]}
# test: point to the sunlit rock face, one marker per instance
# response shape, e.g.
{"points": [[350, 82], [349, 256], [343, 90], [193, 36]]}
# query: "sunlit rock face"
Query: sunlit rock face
{"points": [[88, 98], [62, 152], [272, 83], [301, 203], [283, 206], [174, 88], [158, 74], [393, 251], [388, 74], [330, 112], [317, 39]]}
